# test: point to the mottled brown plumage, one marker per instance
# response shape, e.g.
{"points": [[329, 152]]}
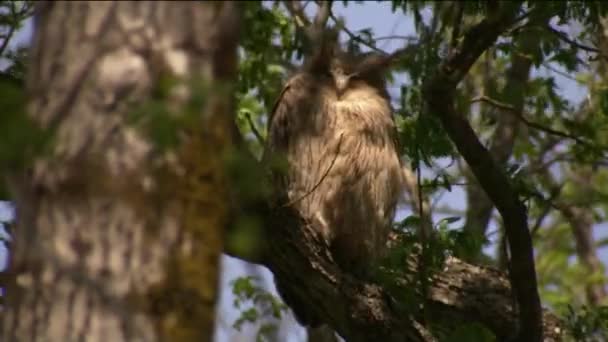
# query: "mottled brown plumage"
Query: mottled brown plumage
{"points": [[333, 123]]}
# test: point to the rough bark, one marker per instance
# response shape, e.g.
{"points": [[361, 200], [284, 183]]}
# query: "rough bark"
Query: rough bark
{"points": [[117, 239]]}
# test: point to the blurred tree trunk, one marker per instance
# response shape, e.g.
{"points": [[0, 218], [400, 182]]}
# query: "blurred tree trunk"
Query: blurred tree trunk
{"points": [[118, 235], [581, 219]]}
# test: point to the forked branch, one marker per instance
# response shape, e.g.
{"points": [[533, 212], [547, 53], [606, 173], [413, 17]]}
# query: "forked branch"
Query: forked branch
{"points": [[439, 93]]}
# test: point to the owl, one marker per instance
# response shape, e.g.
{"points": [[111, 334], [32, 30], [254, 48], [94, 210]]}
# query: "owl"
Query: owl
{"points": [[333, 127]]}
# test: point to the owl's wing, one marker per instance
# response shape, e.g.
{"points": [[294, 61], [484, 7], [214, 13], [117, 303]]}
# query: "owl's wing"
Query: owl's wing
{"points": [[282, 117], [280, 126], [279, 106]]}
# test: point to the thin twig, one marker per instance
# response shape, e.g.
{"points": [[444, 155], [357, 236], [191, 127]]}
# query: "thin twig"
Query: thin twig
{"points": [[8, 37], [354, 36], [547, 209], [11, 29], [529, 123], [451, 184], [564, 37], [297, 12], [254, 130], [408, 38], [290, 203], [559, 72]]}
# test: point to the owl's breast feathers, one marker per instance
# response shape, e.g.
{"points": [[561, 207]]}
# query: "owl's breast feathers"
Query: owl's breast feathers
{"points": [[342, 167]]}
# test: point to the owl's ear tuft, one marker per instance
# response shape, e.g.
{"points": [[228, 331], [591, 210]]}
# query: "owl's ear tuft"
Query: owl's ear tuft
{"points": [[375, 62], [324, 49]]}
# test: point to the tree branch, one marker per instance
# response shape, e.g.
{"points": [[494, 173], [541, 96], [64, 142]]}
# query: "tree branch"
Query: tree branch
{"points": [[363, 311], [312, 30], [439, 95], [529, 123], [564, 37], [354, 36], [254, 130], [6, 39], [297, 12]]}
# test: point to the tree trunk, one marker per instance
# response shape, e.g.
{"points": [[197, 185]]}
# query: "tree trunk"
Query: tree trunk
{"points": [[119, 230], [581, 219]]}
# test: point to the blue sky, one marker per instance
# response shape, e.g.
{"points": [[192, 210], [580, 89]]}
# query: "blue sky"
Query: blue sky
{"points": [[378, 16]]}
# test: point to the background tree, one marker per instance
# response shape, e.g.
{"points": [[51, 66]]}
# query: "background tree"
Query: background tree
{"points": [[109, 242]]}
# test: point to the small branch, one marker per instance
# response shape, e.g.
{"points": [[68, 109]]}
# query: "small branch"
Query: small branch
{"points": [[559, 72], [555, 192], [254, 130], [451, 184], [312, 30], [6, 39], [322, 15], [354, 36], [564, 37], [17, 16], [417, 201], [291, 203], [408, 38], [11, 30], [297, 12], [529, 123]]}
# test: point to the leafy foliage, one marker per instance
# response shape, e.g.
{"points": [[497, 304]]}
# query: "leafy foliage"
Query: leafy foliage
{"points": [[256, 305], [587, 323]]}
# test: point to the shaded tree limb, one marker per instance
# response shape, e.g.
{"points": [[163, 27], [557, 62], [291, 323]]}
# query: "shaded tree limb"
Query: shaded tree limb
{"points": [[439, 96], [363, 311]]}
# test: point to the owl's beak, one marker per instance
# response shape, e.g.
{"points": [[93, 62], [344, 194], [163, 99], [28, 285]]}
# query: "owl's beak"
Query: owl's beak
{"points": [[341, 83]]}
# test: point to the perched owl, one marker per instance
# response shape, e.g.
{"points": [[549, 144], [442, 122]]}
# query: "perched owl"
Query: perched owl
{"points": [[333, 125]]}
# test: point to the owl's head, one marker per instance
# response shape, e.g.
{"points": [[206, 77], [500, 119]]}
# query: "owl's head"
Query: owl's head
{"points": [[347, 69]]}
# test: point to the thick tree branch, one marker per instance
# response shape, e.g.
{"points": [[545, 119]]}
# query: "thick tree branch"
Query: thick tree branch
{"points": [[439, 94], [460, 293], [362, 311]]}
